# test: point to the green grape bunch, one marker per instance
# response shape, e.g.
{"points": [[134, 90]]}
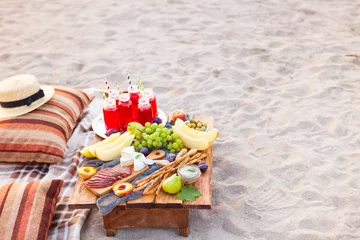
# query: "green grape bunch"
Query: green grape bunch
{"points": [[156, 136]]}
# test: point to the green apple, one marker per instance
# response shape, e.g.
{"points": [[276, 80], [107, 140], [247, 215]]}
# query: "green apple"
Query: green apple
{"points": [[172, 184]]}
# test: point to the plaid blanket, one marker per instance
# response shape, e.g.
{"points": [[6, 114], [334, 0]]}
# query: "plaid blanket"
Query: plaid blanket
{"points": [[66, 223]]}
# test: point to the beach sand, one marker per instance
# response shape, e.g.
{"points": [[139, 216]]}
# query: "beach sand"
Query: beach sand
{"points": [[273, 74]]}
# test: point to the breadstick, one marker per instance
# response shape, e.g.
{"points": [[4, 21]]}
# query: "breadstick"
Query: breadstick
{"points": [[152, 185], [151, 176], [159, 187], [195, 156], [183, 162], [196, 160], [152, 191], [136, 189], [182, 152]]}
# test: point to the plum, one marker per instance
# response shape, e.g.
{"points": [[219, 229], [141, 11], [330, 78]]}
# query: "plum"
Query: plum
{"points": [[110, 131], [171, 157], [157, 120], [145, 151], [169, 124], [203, 166]]}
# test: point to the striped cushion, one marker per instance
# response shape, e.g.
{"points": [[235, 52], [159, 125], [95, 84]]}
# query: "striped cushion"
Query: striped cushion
{"points": [[41, 135], [26, 209]]}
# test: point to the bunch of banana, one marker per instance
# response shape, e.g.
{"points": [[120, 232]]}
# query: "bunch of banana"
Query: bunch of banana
{"points": [[110, 148]]}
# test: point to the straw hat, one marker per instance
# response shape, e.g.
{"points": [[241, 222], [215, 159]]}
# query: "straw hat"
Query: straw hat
{"points": [[21, 94]]}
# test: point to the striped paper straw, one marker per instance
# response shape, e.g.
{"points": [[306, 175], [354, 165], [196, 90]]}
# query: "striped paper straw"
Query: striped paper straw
{"points": [[117, 87], [140, 84], [128, 77], [107, 85], [103, 93]]}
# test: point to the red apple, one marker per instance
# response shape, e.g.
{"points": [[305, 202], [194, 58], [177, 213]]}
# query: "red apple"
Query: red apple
{"points": [[122, 189], [177, 114]]}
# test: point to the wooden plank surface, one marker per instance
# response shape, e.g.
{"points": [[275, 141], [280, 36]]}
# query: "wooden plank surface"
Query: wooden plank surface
{"points": [[165, 200], [146, 201], [204, 182], [102, 191], [82, 198]]}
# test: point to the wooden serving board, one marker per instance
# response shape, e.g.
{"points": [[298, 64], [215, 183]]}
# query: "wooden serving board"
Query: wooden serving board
{"points": [[102, 191]]}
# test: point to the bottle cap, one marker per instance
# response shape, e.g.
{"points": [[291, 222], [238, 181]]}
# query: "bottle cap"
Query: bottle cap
{"points": [[124, 97], [143, 100], [114, 95], [148, 92]]}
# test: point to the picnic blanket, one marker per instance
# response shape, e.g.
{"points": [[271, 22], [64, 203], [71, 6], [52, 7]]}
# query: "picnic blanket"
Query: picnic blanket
{"points": [[66, 223]]}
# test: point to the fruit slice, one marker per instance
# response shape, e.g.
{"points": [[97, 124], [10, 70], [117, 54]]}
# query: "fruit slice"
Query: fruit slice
{"points": [[110, 139], [86, 172], [122, 189], [209, 136], [110, 154], [191, 142], [86, 153], [113, 144]]}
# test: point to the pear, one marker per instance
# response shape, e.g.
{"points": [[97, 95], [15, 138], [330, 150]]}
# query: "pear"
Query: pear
{"points": [[172, 184]]}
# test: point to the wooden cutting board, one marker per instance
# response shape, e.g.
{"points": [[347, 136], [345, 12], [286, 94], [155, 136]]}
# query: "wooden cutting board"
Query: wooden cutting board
{"points": [[102, 191]]}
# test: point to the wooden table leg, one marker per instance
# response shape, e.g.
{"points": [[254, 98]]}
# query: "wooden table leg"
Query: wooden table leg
{"points": [[183, 232], [110, 232], [148, 218]]}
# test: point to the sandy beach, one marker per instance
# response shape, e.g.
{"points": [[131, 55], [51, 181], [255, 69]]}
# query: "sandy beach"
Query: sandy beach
{"points": [[274, 74]]}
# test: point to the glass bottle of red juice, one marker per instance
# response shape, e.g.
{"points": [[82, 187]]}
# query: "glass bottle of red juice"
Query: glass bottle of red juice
{"points": [[148, 93], [134, 93], [115, 95], [125, 111], [111, 114], [144, 111]]}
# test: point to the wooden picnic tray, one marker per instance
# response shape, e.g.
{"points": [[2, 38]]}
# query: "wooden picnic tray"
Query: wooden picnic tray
{"points": [[162, 207]]}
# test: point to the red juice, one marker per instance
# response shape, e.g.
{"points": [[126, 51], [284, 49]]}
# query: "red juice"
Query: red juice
{"points": [[144, 111], [134, 93], [125, 111], [148, 93], [115, 95], [111, 115]]}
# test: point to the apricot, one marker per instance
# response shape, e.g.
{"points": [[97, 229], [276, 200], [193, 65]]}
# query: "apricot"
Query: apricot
{"points": [[122, 189], [86, 172]]}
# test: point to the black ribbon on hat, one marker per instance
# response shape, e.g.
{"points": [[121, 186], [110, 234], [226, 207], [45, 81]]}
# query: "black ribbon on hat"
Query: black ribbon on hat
{"points": [[23, 102]]}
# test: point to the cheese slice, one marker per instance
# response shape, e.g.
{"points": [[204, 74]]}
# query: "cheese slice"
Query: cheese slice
{"points": [[126, 161], [148, 161], [138, 165], [128, 152]]}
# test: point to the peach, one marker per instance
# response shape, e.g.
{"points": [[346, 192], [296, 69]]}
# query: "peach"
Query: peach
{"points": [[177, 114], [86, 172], [122, 189]]}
